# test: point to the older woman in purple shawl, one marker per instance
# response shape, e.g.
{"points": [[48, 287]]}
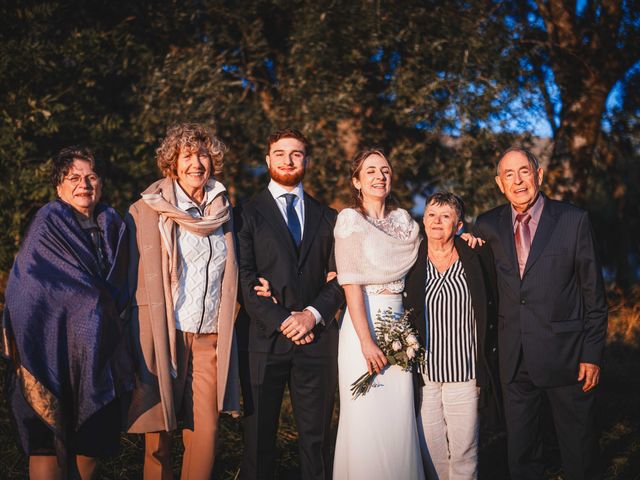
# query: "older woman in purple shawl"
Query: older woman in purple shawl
{"points": [[62, 329]]}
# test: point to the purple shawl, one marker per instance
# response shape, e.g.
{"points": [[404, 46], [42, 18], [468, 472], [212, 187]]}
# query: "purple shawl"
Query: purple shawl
{"points": [[62, 326]]}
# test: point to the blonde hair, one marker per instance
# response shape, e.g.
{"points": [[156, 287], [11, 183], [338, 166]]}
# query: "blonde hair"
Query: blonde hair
{"points": [[189, 136]]}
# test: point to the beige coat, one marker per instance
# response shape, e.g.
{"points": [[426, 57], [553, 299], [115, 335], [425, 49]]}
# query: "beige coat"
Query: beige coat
{"points": [[152, 406]]}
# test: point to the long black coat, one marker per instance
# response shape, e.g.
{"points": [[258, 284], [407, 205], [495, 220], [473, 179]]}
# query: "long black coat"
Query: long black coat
{"points": [[480, 275]]}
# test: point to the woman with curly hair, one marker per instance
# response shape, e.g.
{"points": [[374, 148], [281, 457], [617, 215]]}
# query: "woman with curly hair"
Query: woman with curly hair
{"points": [[184, 269]]}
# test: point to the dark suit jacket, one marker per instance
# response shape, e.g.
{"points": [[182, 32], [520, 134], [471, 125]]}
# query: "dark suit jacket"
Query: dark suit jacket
{"points": [[557, 313], [479, 271], [297, 278]]}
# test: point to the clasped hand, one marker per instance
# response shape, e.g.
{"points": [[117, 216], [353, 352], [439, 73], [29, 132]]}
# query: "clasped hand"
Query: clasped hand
{"points": [[298, 327]]}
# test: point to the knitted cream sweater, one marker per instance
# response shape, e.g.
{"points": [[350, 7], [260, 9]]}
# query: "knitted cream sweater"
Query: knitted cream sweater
{"points": [[365, 255]]}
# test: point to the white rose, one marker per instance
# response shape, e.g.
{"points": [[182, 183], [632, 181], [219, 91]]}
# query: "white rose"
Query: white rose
{"points": [[412, 340], [396, 345], [411, 353]]}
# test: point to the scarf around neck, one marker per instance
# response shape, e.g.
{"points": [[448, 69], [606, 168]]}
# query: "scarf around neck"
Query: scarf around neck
{"points": [[161, 197]]}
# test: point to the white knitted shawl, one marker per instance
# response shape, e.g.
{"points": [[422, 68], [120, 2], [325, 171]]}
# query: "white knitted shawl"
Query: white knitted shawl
{"points": [[365, 255]]}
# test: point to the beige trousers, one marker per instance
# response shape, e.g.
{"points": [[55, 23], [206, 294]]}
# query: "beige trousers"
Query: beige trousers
{"points": [[448, 430], [195, 397]]}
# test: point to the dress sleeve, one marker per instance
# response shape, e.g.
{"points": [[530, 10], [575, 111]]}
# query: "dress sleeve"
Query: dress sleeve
{"points": [[345, 245], [346, 223]]}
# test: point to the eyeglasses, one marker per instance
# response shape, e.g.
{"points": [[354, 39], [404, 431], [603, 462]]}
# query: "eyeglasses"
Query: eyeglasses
{"points": [[76, 179]]}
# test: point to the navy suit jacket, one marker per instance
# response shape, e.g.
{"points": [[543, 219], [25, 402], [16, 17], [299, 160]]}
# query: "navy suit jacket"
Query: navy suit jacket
{"points": [[557, 313], [297, 276]]}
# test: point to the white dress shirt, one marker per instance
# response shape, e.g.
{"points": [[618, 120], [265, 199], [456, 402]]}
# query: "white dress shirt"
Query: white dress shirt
{"points": [[278, 192]]}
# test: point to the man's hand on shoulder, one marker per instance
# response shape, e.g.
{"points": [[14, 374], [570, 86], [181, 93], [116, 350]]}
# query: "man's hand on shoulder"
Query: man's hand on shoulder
{"points": [[471, 240], [298, 326], [590, 373]]}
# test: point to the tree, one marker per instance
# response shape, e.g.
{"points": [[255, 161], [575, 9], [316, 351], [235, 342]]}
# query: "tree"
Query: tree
{"points": [[441, 86], [618, 169], [69, 71], [350, 74], [575, 54], [583, 49]]}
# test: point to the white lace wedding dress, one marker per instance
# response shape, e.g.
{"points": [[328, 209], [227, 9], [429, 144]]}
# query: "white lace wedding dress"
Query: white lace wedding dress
{"points": [[377, 432]]}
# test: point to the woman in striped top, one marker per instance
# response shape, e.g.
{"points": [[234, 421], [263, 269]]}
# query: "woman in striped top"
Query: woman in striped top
{"points": [[452, 292]]}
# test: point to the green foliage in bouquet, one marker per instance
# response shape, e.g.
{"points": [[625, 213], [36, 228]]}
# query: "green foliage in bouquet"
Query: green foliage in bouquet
{"points": [[398, 340]]}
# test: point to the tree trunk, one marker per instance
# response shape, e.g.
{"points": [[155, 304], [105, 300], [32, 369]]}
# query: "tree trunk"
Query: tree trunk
{"points": [[587, 59], [571, 162]]}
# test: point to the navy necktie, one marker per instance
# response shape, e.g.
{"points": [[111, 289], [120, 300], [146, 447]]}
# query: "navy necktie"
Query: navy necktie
{"points": [[292, 219]]}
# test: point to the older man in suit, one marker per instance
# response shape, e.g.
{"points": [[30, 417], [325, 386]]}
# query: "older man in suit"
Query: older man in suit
{"points": [[286, 237], [552, 316]]}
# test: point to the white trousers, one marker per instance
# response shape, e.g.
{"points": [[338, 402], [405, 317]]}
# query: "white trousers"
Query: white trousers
{"points": [[448, 430]]}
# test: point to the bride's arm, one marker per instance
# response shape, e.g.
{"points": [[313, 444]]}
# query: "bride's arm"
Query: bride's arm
{"points": [[376, 360]]}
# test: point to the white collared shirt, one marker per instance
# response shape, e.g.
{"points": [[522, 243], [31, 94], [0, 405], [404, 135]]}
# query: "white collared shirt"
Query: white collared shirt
{"points": [[278, 191], [196, 296]]}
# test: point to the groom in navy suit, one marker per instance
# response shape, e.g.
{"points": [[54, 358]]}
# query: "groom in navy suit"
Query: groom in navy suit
{"points": [[291, 338], [552, 318]]}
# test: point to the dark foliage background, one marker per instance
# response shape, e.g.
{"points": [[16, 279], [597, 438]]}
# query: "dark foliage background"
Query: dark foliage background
{"points": [[442, 86]]}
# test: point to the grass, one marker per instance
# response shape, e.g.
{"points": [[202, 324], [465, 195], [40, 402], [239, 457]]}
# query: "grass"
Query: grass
{"points": [[618, 418]]}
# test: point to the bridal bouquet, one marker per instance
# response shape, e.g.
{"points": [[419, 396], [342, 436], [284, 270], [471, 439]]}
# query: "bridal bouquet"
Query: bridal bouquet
{"points": [[398, 340]]}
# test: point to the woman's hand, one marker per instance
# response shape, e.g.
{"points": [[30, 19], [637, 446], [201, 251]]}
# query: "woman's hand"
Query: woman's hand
{"points": [[264, 289], [375, 358]]}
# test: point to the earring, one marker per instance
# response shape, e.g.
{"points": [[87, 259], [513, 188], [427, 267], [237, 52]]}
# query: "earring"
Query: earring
{"points": [[359, 193]]}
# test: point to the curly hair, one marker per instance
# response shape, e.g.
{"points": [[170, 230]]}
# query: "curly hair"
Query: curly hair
{"points": [[289, 133], [189, 136], [63, 161], [356, 166]]}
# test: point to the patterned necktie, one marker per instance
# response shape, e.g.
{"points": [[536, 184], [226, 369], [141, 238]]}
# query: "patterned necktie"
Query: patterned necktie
{"points": [[292, 219], [523, 240]]}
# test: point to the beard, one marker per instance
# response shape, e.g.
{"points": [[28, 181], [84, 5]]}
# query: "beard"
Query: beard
{"points": [[287, 179]]}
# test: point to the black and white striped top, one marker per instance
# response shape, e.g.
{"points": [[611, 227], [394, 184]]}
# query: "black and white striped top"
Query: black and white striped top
{"points": [[451, 356]]}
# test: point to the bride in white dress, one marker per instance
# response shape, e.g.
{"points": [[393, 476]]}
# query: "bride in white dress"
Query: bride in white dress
{"points": [[375, 247]]}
